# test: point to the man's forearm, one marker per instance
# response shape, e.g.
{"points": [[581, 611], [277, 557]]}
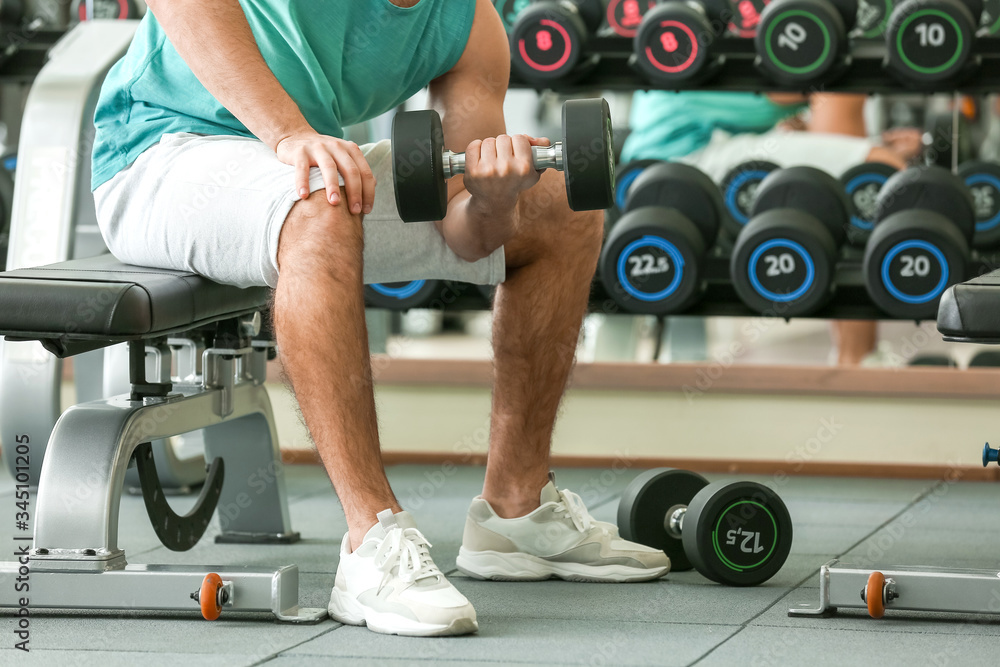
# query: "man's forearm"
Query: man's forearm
{"points": [[216, 42]]}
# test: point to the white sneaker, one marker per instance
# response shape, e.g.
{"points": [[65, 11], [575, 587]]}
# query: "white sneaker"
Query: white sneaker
{"points": [[559, 539], [391, 584]]}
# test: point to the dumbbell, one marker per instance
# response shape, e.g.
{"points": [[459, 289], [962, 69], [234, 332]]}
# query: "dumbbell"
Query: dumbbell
{"points": [[983, 181], [625, 176], [925, 219], [862, 185], [653, 259], [929, 41], [421, 165], [625, 16], [508, 10], [784, 260], [804, 41], [103, 9], [673, 46], [549, 38], [739, 187], [734, 533], [873, 18], [402, 295]]}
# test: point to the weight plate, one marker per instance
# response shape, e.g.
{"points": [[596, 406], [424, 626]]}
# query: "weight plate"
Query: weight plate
{"points": [[653, 262], [418, 166], [783, 264], [625, 175], [873, 17], [402, 295], [547, 41], [106, 9], [983, 181], [739, 188], [588, 154], [625, 16], [682, 187], [672, 45], [911, 258], [798, 41], [643, 510], [509, 9], [737, 533], [928, 41], [809, 190], [862, 185], [930, 188]]}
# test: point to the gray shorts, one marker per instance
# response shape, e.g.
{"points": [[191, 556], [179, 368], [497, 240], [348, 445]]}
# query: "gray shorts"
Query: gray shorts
{"points": [[215, 205]]}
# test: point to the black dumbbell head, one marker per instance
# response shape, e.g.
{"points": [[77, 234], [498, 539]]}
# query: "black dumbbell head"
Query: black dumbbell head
{"points": [[644, 506], [588, 154], [625, 175], [924, 48], [862, 185], [625, 16], [682, 187], [983, 180], [739, 187], [931, 189], [800, 41], [547, 41], [673, 44], [911, 258], [783, 263], [809, 190], [848, 10], [653, 262], [418, 166], [737, 533], [592, 13]]}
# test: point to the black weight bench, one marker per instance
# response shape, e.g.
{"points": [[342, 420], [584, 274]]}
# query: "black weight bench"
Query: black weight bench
{"points": [[970, 311], [83, 305]]}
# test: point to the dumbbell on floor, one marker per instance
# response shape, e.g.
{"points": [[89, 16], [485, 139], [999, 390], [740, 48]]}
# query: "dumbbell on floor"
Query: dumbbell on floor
{"points": [[549, 38], [421, 165], [784, 260], [653, 259], [734, 533], [920, 244]]}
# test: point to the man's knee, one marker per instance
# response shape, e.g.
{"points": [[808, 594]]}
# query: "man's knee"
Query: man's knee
{"points": [[548, 220], [319, 235]]}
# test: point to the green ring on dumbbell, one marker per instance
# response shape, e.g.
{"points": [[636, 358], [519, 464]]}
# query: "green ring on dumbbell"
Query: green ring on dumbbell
{"points": [[806, 68], [718, 550], [879, 29], [913, 17]]}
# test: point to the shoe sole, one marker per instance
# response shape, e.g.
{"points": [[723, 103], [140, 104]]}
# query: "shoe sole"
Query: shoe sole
{"points": [[344, 609], [496, 566]]}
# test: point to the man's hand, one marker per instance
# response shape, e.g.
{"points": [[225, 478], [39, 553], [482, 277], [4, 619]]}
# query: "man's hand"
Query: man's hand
{"points": [[498, 170], [335, 158]]}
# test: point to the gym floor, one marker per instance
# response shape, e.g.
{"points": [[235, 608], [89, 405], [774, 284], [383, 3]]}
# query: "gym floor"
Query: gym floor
{"points": [[680, 620]]}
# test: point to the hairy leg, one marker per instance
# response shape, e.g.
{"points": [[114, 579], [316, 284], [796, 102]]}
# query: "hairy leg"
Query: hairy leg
{"points": [[538, 313], [319, 318]]}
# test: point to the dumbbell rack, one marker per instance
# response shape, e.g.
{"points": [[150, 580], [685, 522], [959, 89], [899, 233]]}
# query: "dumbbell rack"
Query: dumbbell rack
{"points": [[609, 69]]}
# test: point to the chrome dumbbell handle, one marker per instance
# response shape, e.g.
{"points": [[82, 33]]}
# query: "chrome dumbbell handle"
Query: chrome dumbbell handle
{"points": [[545, 157]]}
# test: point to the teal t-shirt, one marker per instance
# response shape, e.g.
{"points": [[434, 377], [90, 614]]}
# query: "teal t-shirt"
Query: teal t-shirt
{"points": [[342, 61], [667, 125]]}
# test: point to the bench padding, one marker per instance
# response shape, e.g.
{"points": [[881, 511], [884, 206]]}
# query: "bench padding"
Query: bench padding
{"points": [[970, 311], [101, 298]]}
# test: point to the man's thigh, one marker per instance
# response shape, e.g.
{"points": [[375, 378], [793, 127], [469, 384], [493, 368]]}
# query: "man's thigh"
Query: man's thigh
{"points": [[216, 206]]}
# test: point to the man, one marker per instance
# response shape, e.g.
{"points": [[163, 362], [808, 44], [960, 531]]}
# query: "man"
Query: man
{"points": [[217, 151]]}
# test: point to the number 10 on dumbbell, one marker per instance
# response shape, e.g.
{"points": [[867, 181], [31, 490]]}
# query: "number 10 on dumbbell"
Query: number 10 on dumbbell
{"points": [[421, 165]]}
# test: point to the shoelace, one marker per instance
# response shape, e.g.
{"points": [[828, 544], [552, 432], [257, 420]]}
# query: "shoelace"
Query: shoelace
{"points": [[410, 550], [573, 505]]}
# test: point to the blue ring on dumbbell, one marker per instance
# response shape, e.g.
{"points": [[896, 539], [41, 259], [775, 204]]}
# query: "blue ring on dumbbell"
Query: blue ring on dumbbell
{"points": [[734, 187], [400, 292], [622, 186], [791, 245], [854, 184], [976, 179], [665, 246], [922, 245]]}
